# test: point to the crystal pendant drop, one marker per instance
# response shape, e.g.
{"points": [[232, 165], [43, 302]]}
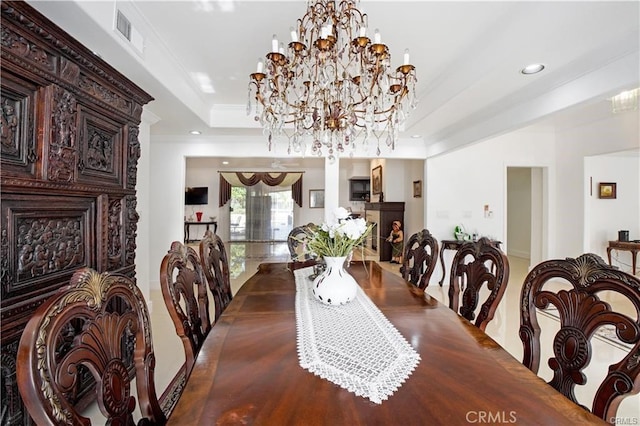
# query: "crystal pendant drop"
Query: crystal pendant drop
{"points": [[248, 102]]}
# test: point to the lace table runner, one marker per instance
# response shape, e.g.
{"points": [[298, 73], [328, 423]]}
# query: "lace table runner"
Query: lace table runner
{"points": [[352, 345]]}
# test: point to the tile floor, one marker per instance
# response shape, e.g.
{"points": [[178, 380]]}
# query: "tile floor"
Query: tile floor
{"points": [[245, 257]]}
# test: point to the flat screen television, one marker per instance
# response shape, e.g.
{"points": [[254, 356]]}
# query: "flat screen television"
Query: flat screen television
{"points": [[196, 195]]}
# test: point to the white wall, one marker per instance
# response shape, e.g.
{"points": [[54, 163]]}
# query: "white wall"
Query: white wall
{"points": [[614, 133], [476, 176], [144, 271], [413, 170], [607, 216], [461, 183]]}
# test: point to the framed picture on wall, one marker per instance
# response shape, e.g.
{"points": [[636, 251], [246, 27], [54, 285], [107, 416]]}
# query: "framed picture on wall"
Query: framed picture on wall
{"points": [[316, 198], [376, 180], [607, 190], [417, 188]]}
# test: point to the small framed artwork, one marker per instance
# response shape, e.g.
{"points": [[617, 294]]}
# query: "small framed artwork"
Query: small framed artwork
{"points": [[607, 190], [417, 188], [376, 180], [316, 198]]}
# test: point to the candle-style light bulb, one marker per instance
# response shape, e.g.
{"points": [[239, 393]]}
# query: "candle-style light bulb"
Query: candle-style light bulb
{"points": [[406, 57], [376, 38], [294, 35], [281, 49], [363, 31], [274, 43], [260, 67]]}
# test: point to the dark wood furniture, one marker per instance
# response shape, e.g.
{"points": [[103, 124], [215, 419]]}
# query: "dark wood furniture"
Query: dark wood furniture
{"points": [[188, 224], [633, 247], [453, 245], [581, 313], [475, 266], [248, 372], [78, 329], [359, 189], [295, 242], [215, 264], [184, 289], [69, 154], [383, 215], [420, 257]]}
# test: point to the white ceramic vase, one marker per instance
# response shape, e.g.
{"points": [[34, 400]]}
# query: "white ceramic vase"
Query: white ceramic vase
{"points": [[335, 286]]}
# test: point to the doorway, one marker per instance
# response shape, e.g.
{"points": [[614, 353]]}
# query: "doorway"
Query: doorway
{"points": [[526, 220], [260, 213]]}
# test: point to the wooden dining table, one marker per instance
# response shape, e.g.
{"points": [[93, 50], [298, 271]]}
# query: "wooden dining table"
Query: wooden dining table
{"points": [[248, 371]]}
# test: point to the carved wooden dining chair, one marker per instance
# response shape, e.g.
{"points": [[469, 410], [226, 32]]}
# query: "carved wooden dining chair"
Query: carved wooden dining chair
{"points": [[574, 287], [184, 289], [215, 263], [295, 242], [475, 265], [420, 257], [98, 326]]}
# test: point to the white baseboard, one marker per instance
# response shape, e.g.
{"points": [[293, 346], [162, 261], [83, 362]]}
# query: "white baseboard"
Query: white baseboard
{"points": [[519, 253]]}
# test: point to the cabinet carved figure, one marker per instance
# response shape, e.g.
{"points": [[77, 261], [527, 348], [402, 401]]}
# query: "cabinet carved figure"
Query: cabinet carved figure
{"points": [[69, 154]]}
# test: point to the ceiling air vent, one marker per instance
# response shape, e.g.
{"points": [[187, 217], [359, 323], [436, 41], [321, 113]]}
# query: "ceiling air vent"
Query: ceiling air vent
{"points": [[128, 31], [123, 25]]}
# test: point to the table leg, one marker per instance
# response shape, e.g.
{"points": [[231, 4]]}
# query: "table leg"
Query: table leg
{"points": [[186, 233], [634, 255], [444, 272], [609, 255]]}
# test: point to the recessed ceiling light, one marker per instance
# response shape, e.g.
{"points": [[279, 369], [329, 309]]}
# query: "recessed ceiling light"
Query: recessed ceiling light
{"points": [[195, 132], [225, 162], [532, 69], [416, 136]]}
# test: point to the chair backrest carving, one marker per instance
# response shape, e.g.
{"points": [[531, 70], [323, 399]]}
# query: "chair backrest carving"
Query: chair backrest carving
{"points": [[295, 242], [215, 264], [184, 289], [97, 323], [420, 257], [581, 313], [474, 265]]}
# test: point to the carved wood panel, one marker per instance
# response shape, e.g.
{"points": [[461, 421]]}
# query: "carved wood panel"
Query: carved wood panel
{"points": [[44, 239], [60, 146], [100, 149], [17, 102]]}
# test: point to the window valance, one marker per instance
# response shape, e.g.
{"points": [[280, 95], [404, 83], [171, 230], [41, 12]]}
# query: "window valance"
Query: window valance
{"points": [[284, 179]]}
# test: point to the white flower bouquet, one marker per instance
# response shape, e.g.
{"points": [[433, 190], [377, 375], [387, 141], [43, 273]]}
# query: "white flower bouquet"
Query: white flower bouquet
{"points": [[338, 237]]}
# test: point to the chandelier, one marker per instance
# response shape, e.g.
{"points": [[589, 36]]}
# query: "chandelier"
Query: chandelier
{"points": [[625, 101], [332, 85]]}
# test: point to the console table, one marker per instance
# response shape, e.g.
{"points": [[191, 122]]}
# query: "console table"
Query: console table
{"points": [[454, 245], [188, 224], [633, 247]]}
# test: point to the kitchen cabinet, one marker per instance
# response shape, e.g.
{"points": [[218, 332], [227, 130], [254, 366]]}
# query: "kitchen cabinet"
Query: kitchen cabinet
{"points": [[359, 189]]}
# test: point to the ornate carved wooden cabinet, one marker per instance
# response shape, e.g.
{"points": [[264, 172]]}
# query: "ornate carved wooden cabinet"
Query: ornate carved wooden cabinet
{"points": [[68, 173]]}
